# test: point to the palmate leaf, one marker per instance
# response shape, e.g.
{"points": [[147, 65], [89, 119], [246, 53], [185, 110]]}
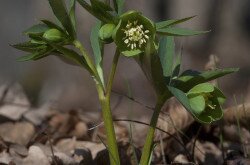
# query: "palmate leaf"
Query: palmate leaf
{"points": [[69, 54], [101, 10], [164, 24], [97, 12], [171, 31], [29, 46], [205, 117], [36, 55], [52, 25], [177, 65], [60, 11], [166, 54], [152, 68], [97, 47], [97, 4], [72, 13], [36, 29], [189, 78], [118, 4]]}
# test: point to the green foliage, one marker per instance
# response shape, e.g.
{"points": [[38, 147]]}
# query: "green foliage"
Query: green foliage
{"points": [[97, 47], [179, 32], [166, 53], [118, 5], [168, 23], [134, 35], [205, 106], [60, 11]]}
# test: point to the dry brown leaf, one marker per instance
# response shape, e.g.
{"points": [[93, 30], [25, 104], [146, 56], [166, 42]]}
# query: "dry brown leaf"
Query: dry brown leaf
{"points": [[19, 133]]}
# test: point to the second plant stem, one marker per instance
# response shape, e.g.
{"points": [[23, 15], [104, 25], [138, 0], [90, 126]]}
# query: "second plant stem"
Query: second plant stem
{"points": [[148, 146]]}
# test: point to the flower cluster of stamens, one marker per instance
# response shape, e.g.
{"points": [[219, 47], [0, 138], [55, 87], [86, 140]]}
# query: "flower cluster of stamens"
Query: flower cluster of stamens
{"points": [[135, 35]]}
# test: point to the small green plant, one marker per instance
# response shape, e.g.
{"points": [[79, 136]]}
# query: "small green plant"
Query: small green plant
{"points": [[135, 36]]}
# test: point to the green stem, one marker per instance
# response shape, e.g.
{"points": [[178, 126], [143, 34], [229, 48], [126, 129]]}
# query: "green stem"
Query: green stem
{"points": [[109, 129], [148, 146], [107, 115], [112, 73], [91, 64]]}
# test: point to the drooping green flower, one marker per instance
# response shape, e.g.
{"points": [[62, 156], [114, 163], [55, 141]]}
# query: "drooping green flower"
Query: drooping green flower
{"points": [[205, 100], [134, 33]]}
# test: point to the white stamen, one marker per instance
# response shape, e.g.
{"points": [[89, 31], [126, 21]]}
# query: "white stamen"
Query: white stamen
{"points": [[135, 34]]}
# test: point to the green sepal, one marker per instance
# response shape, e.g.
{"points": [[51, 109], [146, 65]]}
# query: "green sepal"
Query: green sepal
{"points": [[201, 88], [131, 53], [198, 104], [207, 116]]}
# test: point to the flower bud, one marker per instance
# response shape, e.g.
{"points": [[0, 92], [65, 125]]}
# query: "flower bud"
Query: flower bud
{"points": [[53, 35], [105, 33]]}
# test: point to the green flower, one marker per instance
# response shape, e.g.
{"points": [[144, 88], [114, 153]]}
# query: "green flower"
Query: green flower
{"points": [[205, 101], [134, 33]]}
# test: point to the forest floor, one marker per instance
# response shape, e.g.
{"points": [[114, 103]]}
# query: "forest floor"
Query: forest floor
{"points": [[46, 135]]}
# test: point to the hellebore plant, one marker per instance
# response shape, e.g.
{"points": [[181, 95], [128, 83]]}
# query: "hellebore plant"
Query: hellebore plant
{"points": [[135, 36]]}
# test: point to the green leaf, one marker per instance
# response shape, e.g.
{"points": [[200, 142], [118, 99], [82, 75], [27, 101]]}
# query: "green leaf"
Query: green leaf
{"points": [[179, 32], [69, 54], [60, 11], [189, 79], [198, 104], [36, 29], [97, 4], [29, 47], [101, 11], [201, 88], [118, 4], [151, 66], [166, 54], [95, 43], [72, 13], [52, 25], [168, 23], [205, 117], [36, 55], [177, 66]]}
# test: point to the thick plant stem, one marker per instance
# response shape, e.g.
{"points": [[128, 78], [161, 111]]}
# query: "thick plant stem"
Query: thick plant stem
{"points": [[107, 115], [109, 129], [148, 146]]}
